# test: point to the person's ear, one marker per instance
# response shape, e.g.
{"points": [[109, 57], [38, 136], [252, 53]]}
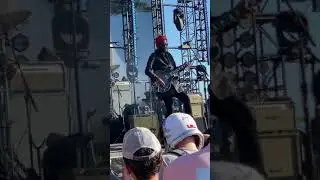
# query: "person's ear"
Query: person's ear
{"points": [[127, 169]]}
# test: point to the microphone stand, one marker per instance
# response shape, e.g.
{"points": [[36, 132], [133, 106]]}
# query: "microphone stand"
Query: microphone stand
{"points": [[29, 102], [5, 138], [123, 122]]}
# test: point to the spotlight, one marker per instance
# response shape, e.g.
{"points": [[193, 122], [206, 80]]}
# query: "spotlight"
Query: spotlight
{"points": [[248, 59], [286, 22], [20, 42], [246, 39], [229, 60], [115, 75], [228, 39], [132, 72], [249, 77], [178, 18], [223, 23], [246, 22]]}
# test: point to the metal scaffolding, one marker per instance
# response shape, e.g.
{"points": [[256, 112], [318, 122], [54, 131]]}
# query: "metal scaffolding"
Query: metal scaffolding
{"points": [[129, 41], [193, 38], [157, 17], [250, 22]]}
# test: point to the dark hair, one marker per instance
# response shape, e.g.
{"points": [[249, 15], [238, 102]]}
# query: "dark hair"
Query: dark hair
{"points": [[145, 169]]}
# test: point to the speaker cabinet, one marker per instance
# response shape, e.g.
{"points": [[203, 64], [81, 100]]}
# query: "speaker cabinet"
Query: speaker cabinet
{"points": [[282, 155], [273, 116], [197, 106], [145, 120]]}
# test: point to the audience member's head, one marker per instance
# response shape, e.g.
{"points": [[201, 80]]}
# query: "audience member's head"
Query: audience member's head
{"points": [[186, 167], [180, 131], [142, 154]]}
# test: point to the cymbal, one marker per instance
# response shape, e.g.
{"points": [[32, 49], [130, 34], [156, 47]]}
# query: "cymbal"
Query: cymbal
{"points": [[11, 20]]}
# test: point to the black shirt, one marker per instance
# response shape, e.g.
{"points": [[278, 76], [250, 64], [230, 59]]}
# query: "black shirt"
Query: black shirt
{"points": [[159, 60]]}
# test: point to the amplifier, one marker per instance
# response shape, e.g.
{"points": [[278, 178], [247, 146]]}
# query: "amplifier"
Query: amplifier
{"points": [[273, 116], [197, 107], [145, 120], [281, 154], [41, 77]]}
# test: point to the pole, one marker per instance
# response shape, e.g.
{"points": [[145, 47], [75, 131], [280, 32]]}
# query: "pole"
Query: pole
{"points": [[304, 90], [76, 78]]}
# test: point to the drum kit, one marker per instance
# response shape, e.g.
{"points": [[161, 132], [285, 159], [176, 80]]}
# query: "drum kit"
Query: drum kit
{"points": [[9, 163]]}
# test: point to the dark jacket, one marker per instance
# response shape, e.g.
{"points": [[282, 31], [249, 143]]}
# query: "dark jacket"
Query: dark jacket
{"points": [[159, 60]]}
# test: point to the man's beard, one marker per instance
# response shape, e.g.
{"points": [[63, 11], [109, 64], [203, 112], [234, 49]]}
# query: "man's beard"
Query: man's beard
{"points": [[163, 49]]}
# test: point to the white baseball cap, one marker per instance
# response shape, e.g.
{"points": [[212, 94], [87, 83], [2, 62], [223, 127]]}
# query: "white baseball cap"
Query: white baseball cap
{"points": [[137, 138], [178, 126]]}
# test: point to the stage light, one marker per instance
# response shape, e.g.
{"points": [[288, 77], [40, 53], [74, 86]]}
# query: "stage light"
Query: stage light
{"points": [[132, 72], [248, 59], [223, 23], [178, 18], [249, 77], [246, 22], [246, 39], [229, 60], [115, 75], [228, 39], [20, 42], [286, 22], [185, 45]]}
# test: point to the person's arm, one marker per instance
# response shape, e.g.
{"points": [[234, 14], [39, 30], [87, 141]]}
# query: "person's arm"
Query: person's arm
{"points": [[149, 71]]}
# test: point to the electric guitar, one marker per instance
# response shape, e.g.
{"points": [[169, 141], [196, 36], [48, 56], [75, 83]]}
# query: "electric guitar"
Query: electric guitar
{"points": [[170, 78]]}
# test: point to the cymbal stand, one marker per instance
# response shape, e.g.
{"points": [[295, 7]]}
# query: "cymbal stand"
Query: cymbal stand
{"points": [[29, 102], [120, 112], [4, 105]]}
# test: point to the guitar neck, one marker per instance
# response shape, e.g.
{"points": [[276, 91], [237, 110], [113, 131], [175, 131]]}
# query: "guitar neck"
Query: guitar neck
{"points": [[178, 69]]}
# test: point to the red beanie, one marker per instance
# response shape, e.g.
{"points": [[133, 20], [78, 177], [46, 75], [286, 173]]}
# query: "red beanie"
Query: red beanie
{"points": [[160, 39]]}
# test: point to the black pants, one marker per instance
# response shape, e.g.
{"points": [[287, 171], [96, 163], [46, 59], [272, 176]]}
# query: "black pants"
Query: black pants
{"points": [[167, 98]]}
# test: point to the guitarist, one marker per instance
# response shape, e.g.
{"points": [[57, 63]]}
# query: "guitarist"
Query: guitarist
{"points": [[162, 60]]}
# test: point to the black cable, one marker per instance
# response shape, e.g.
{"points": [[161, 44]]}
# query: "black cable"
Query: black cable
{"points": [[76, 78]]}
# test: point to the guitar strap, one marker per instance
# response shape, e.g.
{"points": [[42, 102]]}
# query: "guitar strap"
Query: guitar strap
{"points": [[165, 60]]}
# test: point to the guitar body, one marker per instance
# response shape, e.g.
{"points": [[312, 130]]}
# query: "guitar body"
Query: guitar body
{"points": [[168, 80]]}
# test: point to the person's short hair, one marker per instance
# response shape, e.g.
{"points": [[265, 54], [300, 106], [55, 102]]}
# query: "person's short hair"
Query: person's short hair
{"points": [[147, 168], [142, 152]]}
